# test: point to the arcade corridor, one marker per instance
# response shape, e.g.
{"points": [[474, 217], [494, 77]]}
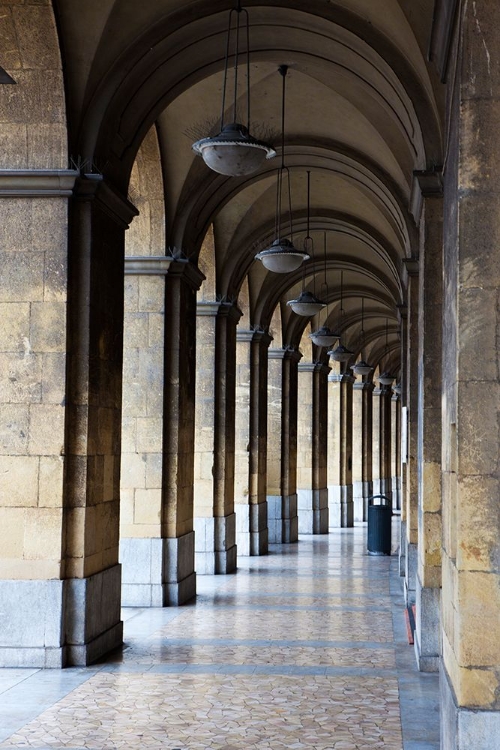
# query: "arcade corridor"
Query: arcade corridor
{"points": [[304, 648]]}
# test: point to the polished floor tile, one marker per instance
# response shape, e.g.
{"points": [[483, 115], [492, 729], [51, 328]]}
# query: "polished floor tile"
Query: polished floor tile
{"points": [[303, 648]]}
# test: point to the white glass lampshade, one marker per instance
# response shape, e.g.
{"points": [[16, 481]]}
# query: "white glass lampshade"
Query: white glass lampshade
{"points": [[282, 257], [340, 354], [324, 336], [362, 368], [306, 304], [386, 378], [234, 152]]}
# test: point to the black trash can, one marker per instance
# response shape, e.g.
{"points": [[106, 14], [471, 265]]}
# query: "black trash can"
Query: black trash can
{"points": [[379, 525]]}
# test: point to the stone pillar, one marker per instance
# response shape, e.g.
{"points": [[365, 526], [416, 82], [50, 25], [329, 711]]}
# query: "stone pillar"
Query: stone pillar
{"points": [[396, 452], [428, 593], [357, 452], [251, 432], [340, 490], [92, 573], [411, 499], [312, 493], [142, 431], [471, 394], [403, 542], [362, 425], [181, 284], [215, 520], [376, 440], [385, 442], [367, 448], [282, 446], [33, 410]]}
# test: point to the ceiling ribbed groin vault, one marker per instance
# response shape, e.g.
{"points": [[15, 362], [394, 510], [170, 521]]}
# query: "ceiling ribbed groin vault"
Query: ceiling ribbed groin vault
{"points": [[362, 116]]}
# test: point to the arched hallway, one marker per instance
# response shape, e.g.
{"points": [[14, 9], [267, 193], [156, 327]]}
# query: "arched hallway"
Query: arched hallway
{"points": [[303, 648]]}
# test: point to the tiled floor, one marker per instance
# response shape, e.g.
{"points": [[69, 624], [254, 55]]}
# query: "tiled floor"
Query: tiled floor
{"points": [[304, 648]]}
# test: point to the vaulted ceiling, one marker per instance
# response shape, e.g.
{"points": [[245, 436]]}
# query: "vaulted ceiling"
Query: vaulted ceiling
{"points": [[364, 111]]}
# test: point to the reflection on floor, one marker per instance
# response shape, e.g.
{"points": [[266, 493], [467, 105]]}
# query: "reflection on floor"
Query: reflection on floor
{"points": [[304, 648]]}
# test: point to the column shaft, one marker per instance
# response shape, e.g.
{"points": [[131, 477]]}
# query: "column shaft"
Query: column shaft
{"points": [[182, 282]]}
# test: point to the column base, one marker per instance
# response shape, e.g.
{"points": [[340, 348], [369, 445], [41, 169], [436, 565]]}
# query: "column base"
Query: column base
{"points": [[427, 630], [178, 572], [147, 580], [31, 619], [312, 509], [215, 545], [411, 565], [142, 567], [359, 501], [282, 519], [252, 534], [361, 491], [341, 506], [462, 728], [396, 493], [53, 624]]}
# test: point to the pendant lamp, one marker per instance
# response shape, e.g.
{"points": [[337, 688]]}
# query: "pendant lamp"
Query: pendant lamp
{"points": [[341, 353], [386, 378], [282, 256], [362, 367], [307, 304], [324, 336], [234, 152]]}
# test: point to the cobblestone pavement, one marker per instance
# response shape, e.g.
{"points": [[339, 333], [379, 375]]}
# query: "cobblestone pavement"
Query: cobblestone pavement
{"points": [[304, 648]]}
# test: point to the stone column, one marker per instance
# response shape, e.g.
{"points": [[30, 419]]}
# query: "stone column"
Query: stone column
{"points": [[471, 394], [181, 284], [357, 452], [92, 573], [385, 442], [376, 440], [141, 548], [403, 541], [33, 448], [411, 489], [282, 446], [312, 493], [215, 520], [251, 431], [428, 593], [340, 490], [367, 448], [396, 452]]}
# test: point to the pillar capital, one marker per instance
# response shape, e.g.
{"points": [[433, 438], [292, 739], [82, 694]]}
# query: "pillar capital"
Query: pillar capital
{"points": [[307, 366], [322, 368], [411, 265], [364, 386], [213, 308], [188, 272], [427, 183], [150, 265], [93, 187], [341, 377], [254, 335]]}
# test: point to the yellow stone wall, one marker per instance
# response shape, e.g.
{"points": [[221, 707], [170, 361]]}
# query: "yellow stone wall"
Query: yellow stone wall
{"points": [[33, 249]]}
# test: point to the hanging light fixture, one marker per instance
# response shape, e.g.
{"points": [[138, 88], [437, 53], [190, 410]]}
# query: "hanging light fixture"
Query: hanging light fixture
{"points": [[282, 256], [386, 378], [324, 336], [234, 151], [341, 353], [307, 304], [362, 367]]}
